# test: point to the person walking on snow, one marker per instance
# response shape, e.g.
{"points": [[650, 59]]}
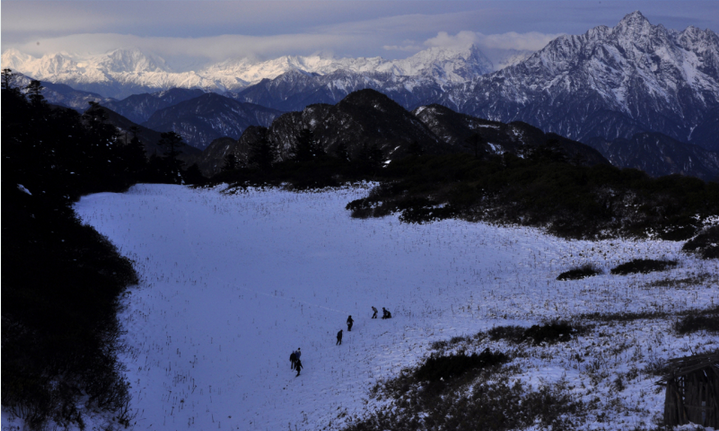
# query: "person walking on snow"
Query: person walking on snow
{"points": [[350, 322], [386, 314], [339, 338], [293, 360], [298, 366], [374, 315]]}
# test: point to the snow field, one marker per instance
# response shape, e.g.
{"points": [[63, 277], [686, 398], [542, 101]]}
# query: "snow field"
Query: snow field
{"points": [[232, 283]]}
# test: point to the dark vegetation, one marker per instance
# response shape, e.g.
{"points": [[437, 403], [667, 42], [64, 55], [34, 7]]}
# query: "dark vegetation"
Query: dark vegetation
{"points": [[550, 333], [706, 244], [467, 392], [643, 266], [62, 281], [543, 190], [439, 368], [579, 273], [699, 320], [307, 167]]}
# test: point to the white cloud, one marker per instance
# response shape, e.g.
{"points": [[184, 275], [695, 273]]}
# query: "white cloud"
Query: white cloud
{"points": [[189, 50], [532, 41], [445, 40]]}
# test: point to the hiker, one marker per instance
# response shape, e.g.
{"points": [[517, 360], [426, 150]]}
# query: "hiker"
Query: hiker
{"points": [[298, 366], [339, 338], [374, 315], [350, 322], [386, 314], [298, 353], [293, 360]]}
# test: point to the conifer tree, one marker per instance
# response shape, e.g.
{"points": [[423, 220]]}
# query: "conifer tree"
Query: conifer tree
{"points": [[172, 141], [342, 153], [476, 143], [134, 156], [231, 162], [307, 148], [262, 154]]}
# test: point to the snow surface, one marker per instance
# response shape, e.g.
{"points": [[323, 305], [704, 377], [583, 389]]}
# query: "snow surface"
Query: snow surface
{"points": [[232, 283]]}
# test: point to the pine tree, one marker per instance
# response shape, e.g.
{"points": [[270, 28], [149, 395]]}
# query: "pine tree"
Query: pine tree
{"points": [[262, 154], [307, 148], [370, 157], [342, 152], [415, 149], [476, 143], [134, 156], [231, 162], [173, 167]]}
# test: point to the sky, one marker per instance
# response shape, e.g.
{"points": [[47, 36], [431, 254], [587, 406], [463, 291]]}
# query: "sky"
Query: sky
{"points": [[211, 31]]}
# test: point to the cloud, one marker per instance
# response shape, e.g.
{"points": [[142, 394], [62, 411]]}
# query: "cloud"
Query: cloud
{"points": [[189, 50], [445, 40], [192, 32], [532, 41]]}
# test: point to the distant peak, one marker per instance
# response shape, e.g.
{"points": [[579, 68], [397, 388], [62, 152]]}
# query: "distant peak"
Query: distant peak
{"points": [[634, 22], [636, 15]]}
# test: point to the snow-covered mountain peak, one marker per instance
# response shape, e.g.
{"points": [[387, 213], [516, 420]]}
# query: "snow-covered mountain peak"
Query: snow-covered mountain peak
{"points": [[117, 70], [457, 64], [633, 24], [130, 61], [649, 78]]}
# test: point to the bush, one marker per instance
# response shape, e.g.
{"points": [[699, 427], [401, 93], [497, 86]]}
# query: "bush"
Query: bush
{"points": [[513, 334], [707, 320], [497, 406], [706, 244], [579, 273], [548, 333], [643, 266], [438, 368]]}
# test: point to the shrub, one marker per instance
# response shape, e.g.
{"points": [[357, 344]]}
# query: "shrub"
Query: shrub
{"points": [[549, 333], [446, 367], [643, 266], [579, 273], [496, 406], [514, 334], [706, 320], [706, 244]]}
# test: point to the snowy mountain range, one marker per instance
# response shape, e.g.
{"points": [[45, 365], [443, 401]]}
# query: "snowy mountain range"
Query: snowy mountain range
{"points": [[607, 85], [609, 82], [124, 72]]}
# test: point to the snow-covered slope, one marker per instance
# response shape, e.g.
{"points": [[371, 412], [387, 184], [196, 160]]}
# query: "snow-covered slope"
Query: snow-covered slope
{"points": [[123, 72], [232, 283]]}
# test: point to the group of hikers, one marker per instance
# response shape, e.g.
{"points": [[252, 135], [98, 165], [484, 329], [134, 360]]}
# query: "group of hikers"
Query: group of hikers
{"points": [[296, 364], [385, 313]]}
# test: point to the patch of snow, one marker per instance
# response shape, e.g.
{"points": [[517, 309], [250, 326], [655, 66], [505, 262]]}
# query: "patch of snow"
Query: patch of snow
{"points": [[23, 189]]}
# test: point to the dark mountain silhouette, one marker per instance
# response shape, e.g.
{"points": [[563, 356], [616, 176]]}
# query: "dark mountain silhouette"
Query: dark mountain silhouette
{"points": [[369, 119], [140, 107], [658, 154], [208, 117], [457, 130], [148, 137]]}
